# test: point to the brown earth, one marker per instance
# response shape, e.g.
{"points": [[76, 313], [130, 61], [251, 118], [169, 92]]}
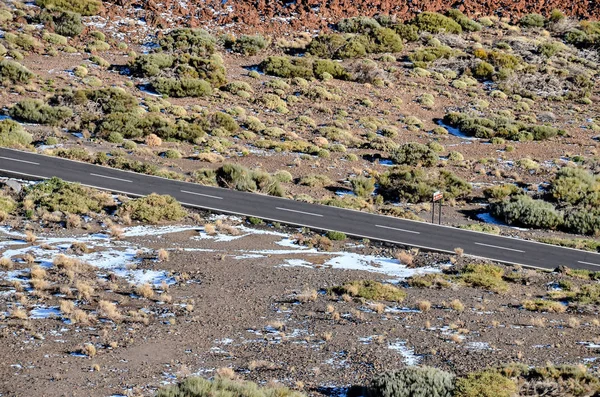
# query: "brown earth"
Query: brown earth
{"points": [[247, 316], [303, 15]]}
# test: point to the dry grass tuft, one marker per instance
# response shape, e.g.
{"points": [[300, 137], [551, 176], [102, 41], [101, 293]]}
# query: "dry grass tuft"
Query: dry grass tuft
{"points": [[30, 237], [538, 322], [153, 141], [116, 232], [330, 309], [307, 295], [84, 290], [145, 291], [79, 317], [459, 251], [39, 284], [210, 229], [226, 373], [379, 308], [424, 306], [572, 322], [262, 364], [405, 257], [72, 221], [162, 255], [6, 263], [18, 313], [278, 325], [457, 305], [37, 272], [456, 338], [66, 307], [89, 350], [109, 310], [326, 336]]}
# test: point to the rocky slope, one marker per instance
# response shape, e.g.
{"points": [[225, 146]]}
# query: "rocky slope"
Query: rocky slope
{"points": [[290, 15]]}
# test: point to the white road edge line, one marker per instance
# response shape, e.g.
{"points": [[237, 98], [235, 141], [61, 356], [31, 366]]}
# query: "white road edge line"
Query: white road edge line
{"points": [[502, 248], [200, 194], [111, 177], [400, 230], [299, 212], [588, 263], [20, 161]]}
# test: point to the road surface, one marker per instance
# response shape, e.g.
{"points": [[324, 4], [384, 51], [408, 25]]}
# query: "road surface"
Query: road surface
{"points": [[360, 224]]}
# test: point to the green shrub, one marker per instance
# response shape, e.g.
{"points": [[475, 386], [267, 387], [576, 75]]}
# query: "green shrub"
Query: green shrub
{"points": [[363, 186], [13, 135], [525, 211], [532, 21], [115, 137], [238, 177], [583, 221], [153, 209], [485, 384], [287, 67], [315, 180], [110, 100], [576, 187], [357, 25], [430, 54], [436, 23], [501, 192], [335, 236], [57, 195], [542, 305], [36, 111], [148, 65], [466, 23], [247, 45], [54, 38], [406, 32], [335, 69], [83, 7], [172, 154], [14, 72], [371, 290], [223, 387], [413, 382], [415, 154], [67, 23], [180, 88], [415, 185], [484, 276], [194, 41], [483, 70]]}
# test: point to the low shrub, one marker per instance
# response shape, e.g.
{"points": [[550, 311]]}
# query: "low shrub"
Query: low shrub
{"points": [[436, 23], [542, 305], [287, 67], [13, 135], [415, 154], [525, 211], [179, 88], [315, 180], [413, 382], [221, 386], [67, 23], [238, 177], [484, 276], [153, 208], [57, 195], [371, 290], [485, 384], [336, 236], [247, 44], [149, 65], [36, 111], [467, 24], [415, 185], [83, 7], [197, 42], [363, 186], [14, 72], [532, 21]]}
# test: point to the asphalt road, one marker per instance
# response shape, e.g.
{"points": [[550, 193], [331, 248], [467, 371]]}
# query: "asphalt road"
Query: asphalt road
{"points": [[360, 224]]}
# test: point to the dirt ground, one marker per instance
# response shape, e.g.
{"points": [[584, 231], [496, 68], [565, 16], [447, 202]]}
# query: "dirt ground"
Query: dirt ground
{"points": [[242, 301]]}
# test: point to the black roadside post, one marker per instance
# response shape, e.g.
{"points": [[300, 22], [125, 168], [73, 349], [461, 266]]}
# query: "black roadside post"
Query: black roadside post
{"points": [[440, 219]]}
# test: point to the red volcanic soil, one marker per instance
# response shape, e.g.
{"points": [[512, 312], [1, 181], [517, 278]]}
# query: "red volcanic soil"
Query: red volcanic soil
{"points": [[272, 16]]}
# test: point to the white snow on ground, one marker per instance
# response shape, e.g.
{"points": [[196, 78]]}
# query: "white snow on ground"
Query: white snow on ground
{"points": [[138, 231], [410, 358], [42, 312], [488, 218]]}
